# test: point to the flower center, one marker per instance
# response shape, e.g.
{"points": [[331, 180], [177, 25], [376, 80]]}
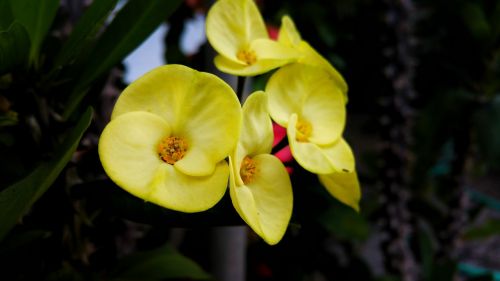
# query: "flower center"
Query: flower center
{"points": [[172, 149], [247, 170], [303, 130], [247, 56]]}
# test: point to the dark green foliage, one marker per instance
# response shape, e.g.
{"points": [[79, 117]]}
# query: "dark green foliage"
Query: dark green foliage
{"points": [[487, 125], [85, 31], [36, 17], [159, 264], [14, 47], [129, 28], [16, 199], [485, 230]]}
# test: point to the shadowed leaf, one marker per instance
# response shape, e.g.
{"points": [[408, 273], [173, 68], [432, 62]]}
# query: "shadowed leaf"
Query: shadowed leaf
{"points": [[14, 47], [131, 26], [85, 30], [159, 264], [487, 125], [6, 17], [36, 16], [16, 199]]}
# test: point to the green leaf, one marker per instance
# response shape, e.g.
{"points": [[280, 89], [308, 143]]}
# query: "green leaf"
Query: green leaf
{"points": [[487, 229], [447, 111], [159, 264], [14, 47], [85, 30], [495, 21], [131, 26], [484, 277], [444, 270], [484, 199], [344, 222], [475, 20], [478, 273], [6, 17], [427, 248], [16, 199], [487, 125], [8, 119], [37, 17]]}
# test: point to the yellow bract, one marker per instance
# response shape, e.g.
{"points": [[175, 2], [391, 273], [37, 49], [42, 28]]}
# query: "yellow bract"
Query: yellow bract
{"points": [[316, 158], [237, 32], [289, 36], [167, 139], [260, 187], [308, 102], [344, 187], [310, 93]]}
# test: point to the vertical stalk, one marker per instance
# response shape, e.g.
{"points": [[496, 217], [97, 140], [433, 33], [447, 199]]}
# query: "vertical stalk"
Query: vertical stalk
{"points": [[396, 123], [229, 253], [228, 244]]}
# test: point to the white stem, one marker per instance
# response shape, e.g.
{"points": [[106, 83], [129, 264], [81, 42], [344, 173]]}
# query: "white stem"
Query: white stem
{"points": [[229, 249]]}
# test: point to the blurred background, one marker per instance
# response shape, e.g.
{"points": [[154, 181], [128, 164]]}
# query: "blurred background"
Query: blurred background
{"points": [[423, 121]]}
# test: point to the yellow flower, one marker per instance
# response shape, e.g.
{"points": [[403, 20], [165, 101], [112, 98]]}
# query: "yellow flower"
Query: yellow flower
{"points": [[289, 36], [308, 102], [236, 30], [260, 187], [168, 138]]}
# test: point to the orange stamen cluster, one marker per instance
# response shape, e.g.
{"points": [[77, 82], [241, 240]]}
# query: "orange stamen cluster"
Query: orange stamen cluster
{"points": [[172, 149], [247, 170], [304, 130], [247, 56]]}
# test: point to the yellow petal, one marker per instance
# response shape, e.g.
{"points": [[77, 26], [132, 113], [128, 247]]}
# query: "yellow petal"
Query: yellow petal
{"points": [[319, 159], [160, 91], [312, 57], [266, 202], [344, 187], [235, 160], [267, 49], [128, 150], [257, 129], [190, 101], [288, 34], [309, 155], [269, 55], [242, 197], [309, 92], [212, 132], [177, 191], [232, 24], [286, 94], [324, 109], [259, 67], [340, 156]]}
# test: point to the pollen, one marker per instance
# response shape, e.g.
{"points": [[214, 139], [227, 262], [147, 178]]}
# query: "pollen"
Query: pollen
{"points": [[304, 130], [172, 149], [247, 56], [248, 170]]}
